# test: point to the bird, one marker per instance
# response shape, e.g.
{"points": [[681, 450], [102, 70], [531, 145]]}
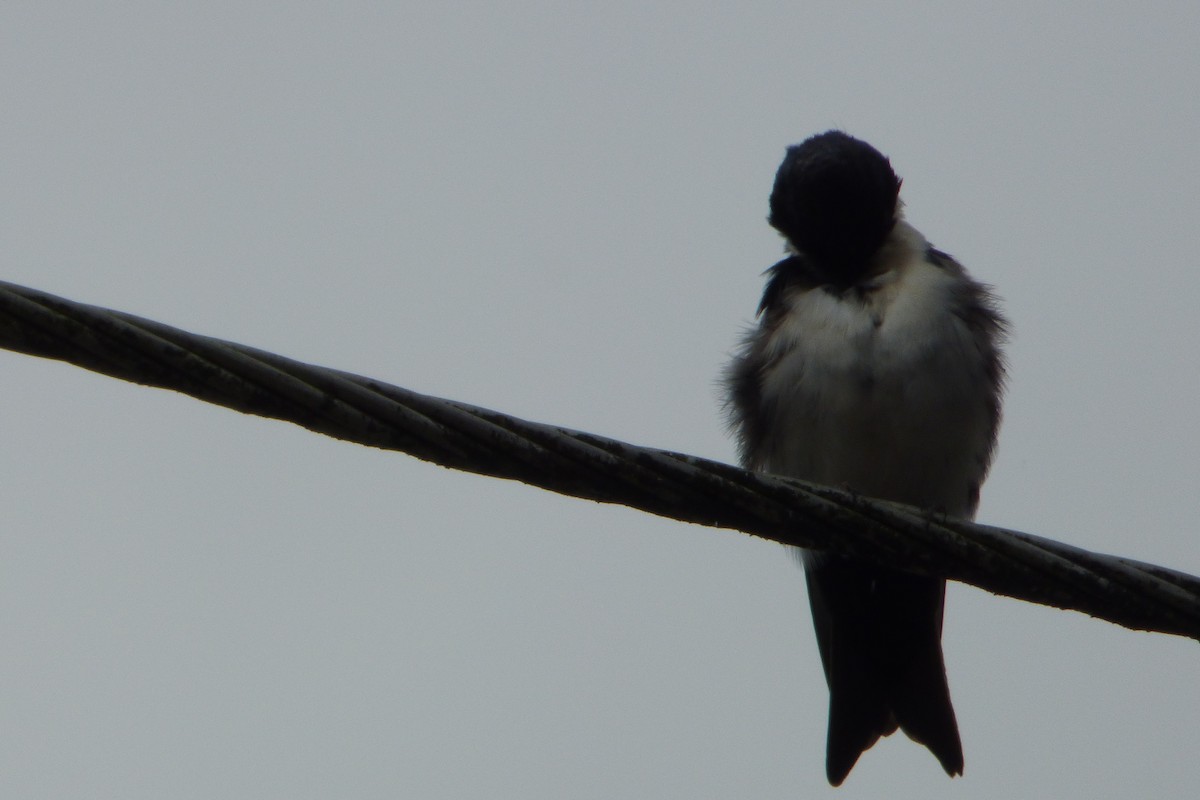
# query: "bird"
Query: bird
{"points": [[876, 365]]}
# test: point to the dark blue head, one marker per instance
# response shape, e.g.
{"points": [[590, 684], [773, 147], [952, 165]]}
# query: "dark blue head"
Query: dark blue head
{"points": [[835, 199]]}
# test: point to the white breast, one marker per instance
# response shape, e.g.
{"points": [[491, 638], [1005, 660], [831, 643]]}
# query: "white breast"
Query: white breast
{"points": [[884, 390]]}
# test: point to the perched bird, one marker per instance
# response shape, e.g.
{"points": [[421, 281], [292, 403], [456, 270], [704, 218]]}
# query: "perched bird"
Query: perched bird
{"points": [[875, 366]]}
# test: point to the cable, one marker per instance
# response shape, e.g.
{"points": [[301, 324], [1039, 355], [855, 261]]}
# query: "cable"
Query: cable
{"points": [[357, 409]]}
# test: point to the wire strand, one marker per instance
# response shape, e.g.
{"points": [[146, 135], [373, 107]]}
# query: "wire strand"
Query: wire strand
{"points": [[690, 489]]}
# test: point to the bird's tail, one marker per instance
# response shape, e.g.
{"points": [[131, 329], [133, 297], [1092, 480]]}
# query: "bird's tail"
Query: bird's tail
{"points": [[879, 633], [921, 703]]}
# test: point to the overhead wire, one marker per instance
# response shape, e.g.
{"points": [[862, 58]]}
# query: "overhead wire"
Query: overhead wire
{"points": [[683, 487]]}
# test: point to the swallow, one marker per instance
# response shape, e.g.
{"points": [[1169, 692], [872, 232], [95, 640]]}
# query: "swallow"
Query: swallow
{"points": [[875, 365]]}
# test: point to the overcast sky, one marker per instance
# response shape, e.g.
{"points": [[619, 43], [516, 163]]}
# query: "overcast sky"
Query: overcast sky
{"points": [[558, 210]]}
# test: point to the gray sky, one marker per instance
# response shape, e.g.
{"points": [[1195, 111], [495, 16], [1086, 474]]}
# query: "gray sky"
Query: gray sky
{"points": [[557, 210]]}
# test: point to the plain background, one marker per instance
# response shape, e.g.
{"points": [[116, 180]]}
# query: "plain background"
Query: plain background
{"points": [[558, 210]]}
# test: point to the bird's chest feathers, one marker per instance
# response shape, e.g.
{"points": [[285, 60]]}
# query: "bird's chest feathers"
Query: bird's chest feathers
{"points": [[870, 384], [864, 340]]}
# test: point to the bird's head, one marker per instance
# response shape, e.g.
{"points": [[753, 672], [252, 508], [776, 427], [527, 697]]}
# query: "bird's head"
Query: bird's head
{"points": [[836, 199]]}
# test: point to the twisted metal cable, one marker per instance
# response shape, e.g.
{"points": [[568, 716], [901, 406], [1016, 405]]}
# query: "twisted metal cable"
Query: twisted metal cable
{"points": [[357, 409]]}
